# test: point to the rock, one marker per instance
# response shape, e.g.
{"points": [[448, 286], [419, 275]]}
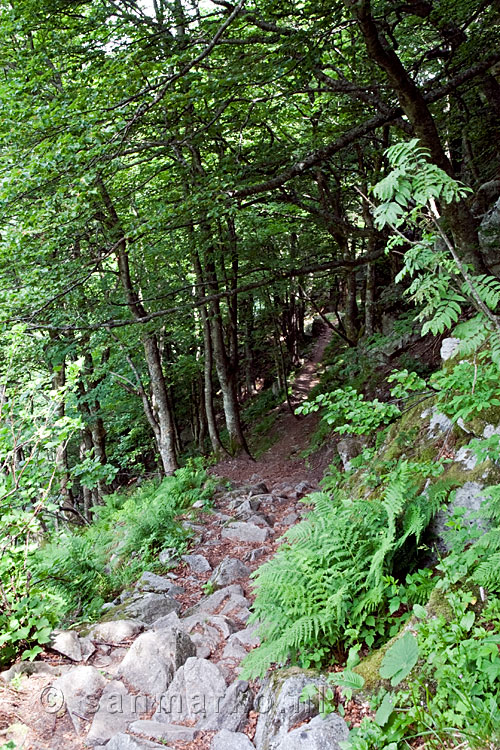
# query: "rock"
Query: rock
{"points": [[195, 692], [167, 732], [439, 423], [80, 690], [247, 637], [449, 347], [228, 571], [303, 488], [245, 532], [280, 707], [168, 556], [117, 709], [259, 519], [32, 667], [67, 643], [210, 604], [115, 632], [468, 497], [319, 734], [466, 457], [158, 585], [235, 651], [168, 621], [197, 563], [485, 196], [257, 554], [154, 657], [232, 711], [290, 519], [245, 506], [237, 606], [126, 742], [150, 607], [226, 740], [348, 448]]}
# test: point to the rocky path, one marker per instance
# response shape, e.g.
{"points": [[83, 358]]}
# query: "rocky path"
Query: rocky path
{"points": [[162, 667]]}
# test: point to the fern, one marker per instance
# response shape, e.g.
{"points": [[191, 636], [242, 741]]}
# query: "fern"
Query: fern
{"points": [[327, 578]]}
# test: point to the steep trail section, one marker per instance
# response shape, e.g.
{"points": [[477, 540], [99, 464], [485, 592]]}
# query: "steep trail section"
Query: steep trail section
{"points": [[282, 464]]}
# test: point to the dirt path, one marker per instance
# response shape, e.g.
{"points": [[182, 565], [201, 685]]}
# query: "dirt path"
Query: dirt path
{"points": [[282, 463]]}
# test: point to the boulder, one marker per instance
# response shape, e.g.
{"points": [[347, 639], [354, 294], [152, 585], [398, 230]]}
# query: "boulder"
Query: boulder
{"points": [[115, 632], [449, 347], [150, 607], [348, 448], [158, 585], [280, 706], [166, 732], [195, 693], [117, 709], [226, 740], [197, 563], [80, 690], [228, 571], [67, 643], [168, 556], [240, 531], [470, 498], [232, 711], [213, 603], [154, 657], [319, 734], [126, 742]]}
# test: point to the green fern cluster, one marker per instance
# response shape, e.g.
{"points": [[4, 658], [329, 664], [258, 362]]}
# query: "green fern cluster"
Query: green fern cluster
{"points": [[326, 583]]}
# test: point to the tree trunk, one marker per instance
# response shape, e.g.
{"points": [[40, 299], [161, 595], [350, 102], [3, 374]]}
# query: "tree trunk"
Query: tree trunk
{"points": [[457, 215]]}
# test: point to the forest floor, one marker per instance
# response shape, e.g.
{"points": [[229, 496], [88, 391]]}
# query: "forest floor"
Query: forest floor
{"points": [[285, 472]]}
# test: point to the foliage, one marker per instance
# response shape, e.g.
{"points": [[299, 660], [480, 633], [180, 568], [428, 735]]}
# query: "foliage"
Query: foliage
{"points": [[326, 587], [72, 573], [347, 410]]}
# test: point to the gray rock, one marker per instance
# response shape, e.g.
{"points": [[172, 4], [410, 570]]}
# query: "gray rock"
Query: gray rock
{"points": [[280, 708], [228, 571], [234, 651], [195, 692], [158, 585], [32, 667], [319, 734], [126, 742], [67, 643], [168, 732], [232, 711], [197, 563], [257, 554], [226, 740], [348, 448], [439, 423], [150, 607], [449, 347], [154, 657], [168, 621], [211, 604], [245, 506], [245, 532], [303, 488], [81, 690], [117, 709], [236, 606], [290, 519], [115, 631], [468, 497], [168, 556], [247, 637]]}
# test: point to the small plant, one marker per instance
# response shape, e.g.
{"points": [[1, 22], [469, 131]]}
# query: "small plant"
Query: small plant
{"points": [[347, 411]]}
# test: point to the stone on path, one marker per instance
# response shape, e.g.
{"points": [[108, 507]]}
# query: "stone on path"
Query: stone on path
{"points": [[194, 693], [226, 740], [79, 690], [117, 709], [67, 643], [228, 571], [126, 742], [153, 659], [115, 632], [167, 732], [197, 563], [232, 711], [240, 531], [150, 607], [158, 584], [319, 734]]}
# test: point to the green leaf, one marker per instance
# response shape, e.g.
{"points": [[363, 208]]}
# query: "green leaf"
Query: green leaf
{"points": [[419, 611], [347, 679], [385, 710], [400, 659]]}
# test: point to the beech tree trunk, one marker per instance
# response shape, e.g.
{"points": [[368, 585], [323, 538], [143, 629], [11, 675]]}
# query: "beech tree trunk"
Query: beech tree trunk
{"points": [[458, 216]]}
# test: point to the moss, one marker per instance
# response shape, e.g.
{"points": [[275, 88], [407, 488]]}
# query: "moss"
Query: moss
{"points": [[438, 606], [484, 473]]}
